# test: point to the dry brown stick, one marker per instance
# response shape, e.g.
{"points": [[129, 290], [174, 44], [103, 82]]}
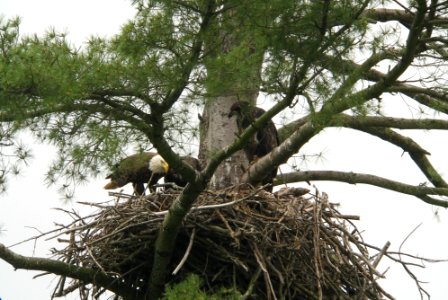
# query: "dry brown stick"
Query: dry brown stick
{"points": [[381, 254], [69, 289], [352, 255], [253, 279], [187, 252], [339, 216], [355, 242], [316, 237], [118, 231], [94, 260], [73, 229], [120, 195], [277, 271], [42, 234], [262, 265], [97, 205], [231, 232]]}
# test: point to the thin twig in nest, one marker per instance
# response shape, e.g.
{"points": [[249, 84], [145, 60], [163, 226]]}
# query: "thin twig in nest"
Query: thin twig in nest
{"points": [[187, 252]]}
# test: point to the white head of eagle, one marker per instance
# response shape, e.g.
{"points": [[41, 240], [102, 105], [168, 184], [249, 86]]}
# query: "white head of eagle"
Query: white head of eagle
{"points": [[158, 165]]}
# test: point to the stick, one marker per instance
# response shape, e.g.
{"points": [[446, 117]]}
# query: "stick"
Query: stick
{"points": [[381, 254], [187, 252]]}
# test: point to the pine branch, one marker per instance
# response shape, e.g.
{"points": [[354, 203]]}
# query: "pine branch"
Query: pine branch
{"points": [[167, 237], [344, 120], [337, 105], [388, 122], [417, 154], [403, 16], [191, 62], [98, 278], [421, 192], [257, 171], [429, 97], [373, 126]]}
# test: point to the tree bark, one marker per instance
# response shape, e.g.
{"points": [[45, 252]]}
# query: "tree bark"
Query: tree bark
{"points": [[219, 131]]}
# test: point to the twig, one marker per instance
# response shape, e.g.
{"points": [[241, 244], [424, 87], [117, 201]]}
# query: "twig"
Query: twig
{"points": [[262, 265], [121, 195], [187, 252], [94, 260], [381, 254], [253, 279], [421, 290]]}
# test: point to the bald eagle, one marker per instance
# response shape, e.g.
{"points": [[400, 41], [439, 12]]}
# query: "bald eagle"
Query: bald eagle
{"points": [[264, 140], [140, 168], [137, 169]]}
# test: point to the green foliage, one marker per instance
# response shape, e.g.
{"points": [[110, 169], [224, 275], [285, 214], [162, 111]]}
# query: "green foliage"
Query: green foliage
{"points": [[111, 97], [94, 102], [190, 289]]}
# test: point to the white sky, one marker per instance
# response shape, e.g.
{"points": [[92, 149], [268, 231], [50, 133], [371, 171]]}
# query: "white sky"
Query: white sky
{"points": [[385, 216]]}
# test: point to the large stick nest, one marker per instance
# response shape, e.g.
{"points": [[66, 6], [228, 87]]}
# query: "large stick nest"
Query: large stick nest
{"points": [[268, 246]]}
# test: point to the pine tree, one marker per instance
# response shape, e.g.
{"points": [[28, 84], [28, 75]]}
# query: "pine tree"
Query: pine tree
{"points": [[336, 61]]}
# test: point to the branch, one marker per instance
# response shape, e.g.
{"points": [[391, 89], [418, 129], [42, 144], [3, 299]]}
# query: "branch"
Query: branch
{"points": [[344, 120], [112, 284], [386, 15], [417, 154], [425, 96], [257, 171], [388, 122], [421, 192], [188, 67], [156, 136], [402, 16], [166, 239], [338, 105], [373, 126]]}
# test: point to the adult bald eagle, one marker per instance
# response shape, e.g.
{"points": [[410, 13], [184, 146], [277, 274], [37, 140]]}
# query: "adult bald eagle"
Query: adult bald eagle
{"points": [[264, 140], [140, 168], [136, 169]]}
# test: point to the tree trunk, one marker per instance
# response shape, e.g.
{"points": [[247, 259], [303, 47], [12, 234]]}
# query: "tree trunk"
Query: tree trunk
{"points": [[217, 129], [217, 132]]}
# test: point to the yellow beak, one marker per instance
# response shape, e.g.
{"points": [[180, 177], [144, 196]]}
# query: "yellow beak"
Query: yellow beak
{"points": [[165, 167], [111, 185]]}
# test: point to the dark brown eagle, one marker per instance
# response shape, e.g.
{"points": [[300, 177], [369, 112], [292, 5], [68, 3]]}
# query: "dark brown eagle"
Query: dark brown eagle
{"points": [[264, 140], [141, 168], [173, 176]]}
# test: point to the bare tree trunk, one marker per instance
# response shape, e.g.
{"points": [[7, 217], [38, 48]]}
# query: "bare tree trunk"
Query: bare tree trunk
{"points": [[217, 129], [217, 132]]}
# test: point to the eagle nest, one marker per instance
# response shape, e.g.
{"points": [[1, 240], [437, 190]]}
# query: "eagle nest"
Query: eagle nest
{"points": [[286, 245]]}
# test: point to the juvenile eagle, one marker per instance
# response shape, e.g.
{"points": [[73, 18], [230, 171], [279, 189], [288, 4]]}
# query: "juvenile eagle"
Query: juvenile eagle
{"points": [[138, 169], [173, 176], [264, 140]]}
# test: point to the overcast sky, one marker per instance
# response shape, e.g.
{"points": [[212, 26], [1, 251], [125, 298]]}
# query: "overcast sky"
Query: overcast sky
{"points": [[385, 216]]}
